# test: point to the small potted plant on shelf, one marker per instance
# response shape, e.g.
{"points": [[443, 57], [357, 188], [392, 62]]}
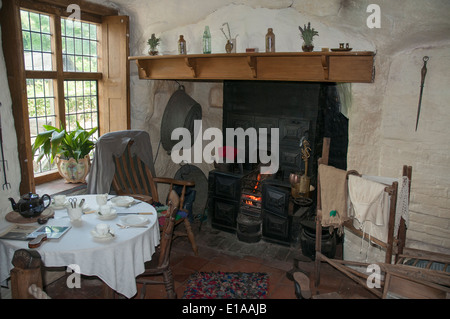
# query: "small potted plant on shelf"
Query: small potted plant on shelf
{"points": [[307, 34], [153, 42], [70, 150]]}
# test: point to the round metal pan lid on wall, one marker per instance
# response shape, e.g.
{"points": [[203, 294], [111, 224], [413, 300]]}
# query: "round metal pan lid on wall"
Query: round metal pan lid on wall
{"points": [[190, 172], [181, 111]]}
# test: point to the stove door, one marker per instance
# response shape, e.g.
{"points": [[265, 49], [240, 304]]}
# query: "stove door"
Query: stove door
{"points": [[227, 186], [275, 200], [275, 227], [224, 214]]}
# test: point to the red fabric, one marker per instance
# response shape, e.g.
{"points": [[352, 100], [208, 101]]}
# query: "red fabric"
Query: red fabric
{"points": [[228, 152]]}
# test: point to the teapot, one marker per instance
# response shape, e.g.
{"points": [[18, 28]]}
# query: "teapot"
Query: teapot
{"points": [[30, 205]]}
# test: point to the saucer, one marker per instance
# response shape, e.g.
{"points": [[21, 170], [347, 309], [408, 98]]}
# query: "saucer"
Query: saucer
{"points": [[122, 201], [63, 206], [341, 49], [107, 217], [108, 236], [134, 220]]}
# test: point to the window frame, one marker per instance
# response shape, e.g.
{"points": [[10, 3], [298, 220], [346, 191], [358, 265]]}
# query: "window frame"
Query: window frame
{"points": [[17, 75], [60, 76]]}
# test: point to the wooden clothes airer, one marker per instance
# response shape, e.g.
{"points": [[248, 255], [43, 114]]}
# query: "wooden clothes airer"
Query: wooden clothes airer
{"points": [[413, 273], [394, 244]]}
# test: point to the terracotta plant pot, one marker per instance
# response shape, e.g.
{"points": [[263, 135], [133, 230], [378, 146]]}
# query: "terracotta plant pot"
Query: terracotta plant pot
{"points": [[73, 171]]}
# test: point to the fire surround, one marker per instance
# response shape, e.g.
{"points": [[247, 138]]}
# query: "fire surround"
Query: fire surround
{"points": [[299, 110]]}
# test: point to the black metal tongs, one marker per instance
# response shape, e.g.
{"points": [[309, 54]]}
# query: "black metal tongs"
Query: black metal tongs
{"points": [[6, 184]]}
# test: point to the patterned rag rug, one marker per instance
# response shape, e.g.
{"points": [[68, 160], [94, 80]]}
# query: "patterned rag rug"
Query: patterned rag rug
{"points": [[227, 285]]}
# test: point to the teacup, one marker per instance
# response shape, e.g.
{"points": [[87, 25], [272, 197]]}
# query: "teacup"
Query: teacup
{"points": [[75, 213], [105, 210], [102, 229], [59, 200], [101, 199]]}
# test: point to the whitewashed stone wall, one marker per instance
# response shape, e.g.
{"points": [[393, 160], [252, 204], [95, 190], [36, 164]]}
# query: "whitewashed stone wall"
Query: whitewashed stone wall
{"points": [[428, 149], [9, 143]]}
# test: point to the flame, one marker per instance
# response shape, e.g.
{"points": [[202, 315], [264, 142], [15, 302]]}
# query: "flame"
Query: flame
{"points": [[250, 199], [258, 178]]}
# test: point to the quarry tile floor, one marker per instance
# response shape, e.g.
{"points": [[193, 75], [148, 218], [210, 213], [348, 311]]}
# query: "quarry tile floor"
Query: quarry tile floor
{"points": [[222, 251]]}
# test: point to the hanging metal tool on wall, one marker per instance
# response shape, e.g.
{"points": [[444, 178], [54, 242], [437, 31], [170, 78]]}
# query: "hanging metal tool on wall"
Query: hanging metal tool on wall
{"points": [[423, 74]]}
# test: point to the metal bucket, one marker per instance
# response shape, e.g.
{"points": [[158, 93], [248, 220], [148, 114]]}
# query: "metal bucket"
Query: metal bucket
{"points": [[181, 111]]}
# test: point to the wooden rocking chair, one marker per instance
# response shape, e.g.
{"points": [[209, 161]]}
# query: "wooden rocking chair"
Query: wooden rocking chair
{"points": [[133, 178]]}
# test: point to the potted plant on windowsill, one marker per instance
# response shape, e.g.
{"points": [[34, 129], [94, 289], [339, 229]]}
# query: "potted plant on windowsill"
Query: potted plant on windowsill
{"points": [[153, 42], [70, 150]]}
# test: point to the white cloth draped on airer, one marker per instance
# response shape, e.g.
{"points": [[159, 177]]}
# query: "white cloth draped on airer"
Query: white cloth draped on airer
{"points": [[369, 204]]}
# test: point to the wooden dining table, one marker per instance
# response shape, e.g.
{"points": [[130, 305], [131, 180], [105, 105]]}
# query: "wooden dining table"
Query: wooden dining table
{"points": [[116, 259]]}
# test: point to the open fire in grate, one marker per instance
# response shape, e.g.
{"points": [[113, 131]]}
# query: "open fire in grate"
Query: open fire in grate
{"points": [[251, 194], [249, 219]]}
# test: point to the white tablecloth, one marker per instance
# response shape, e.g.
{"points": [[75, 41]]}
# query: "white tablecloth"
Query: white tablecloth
{"points": [[116, 262]]}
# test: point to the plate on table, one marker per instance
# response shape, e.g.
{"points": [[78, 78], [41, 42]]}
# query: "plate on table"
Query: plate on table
{"points": [[122, 201], [134, 220]]}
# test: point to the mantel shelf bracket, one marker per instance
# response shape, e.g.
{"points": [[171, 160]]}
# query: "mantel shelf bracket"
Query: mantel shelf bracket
{"points": [[191, 65], [144, 66], [251, 60], [325, 65]]}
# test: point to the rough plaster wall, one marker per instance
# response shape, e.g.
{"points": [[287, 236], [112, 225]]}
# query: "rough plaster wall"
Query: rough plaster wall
{"points": [[382, 115], [155, 104], [427, 150], [9, 142]]}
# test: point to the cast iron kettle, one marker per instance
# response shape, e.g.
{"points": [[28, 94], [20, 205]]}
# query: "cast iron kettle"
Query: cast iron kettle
{"points": [[30, 205]]}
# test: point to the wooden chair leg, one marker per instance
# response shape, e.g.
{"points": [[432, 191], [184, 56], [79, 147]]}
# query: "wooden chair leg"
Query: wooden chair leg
{"points": [[143, 289], [108, 292], [190, 235], [169, 284]]}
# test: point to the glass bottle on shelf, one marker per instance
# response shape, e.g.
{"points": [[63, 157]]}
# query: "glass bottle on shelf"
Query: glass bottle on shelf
{"points": [[270, 41], [206, 41], [182, 45]]}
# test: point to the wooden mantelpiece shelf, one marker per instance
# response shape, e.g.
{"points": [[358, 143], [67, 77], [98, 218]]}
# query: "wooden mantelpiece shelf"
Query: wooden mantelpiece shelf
{"points": [[357, 66]]}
